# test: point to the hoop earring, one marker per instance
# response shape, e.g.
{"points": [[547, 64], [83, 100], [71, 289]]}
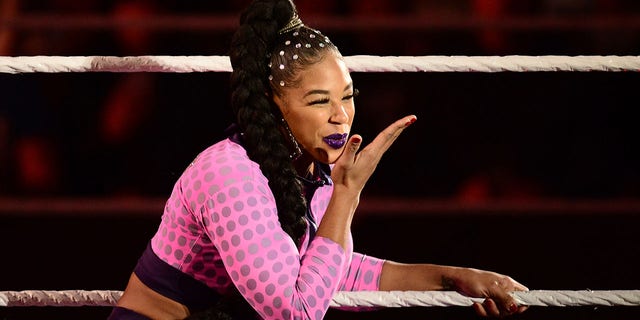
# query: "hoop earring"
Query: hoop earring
{"points": [[297, 152]]}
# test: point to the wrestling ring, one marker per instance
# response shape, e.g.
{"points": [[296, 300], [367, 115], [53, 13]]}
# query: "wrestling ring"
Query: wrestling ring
{"points": [[185, 64]]}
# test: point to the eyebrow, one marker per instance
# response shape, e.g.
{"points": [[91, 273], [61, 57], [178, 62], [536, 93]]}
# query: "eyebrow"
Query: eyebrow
{"points": [[349, 86]]}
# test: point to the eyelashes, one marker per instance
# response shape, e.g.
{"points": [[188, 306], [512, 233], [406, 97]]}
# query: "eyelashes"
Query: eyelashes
{"points": [[319, 101], [355, 93]]}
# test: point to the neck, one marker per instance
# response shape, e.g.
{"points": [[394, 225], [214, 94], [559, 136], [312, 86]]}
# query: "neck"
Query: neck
{"points": [[303, 165]]}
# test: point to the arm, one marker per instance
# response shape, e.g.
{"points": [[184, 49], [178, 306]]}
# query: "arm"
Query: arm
{"points": [[349, 175], [237, 210], [264, 263], [261, 259], [419, 277], [363, 273], [468, 281]]}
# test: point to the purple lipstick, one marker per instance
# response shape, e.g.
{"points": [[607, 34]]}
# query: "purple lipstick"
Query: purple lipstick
{"points": [[336, 140]]}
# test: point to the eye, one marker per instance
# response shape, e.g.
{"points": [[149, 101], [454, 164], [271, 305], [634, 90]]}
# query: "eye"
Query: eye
{"points": [[319, 101], [355, 93]]}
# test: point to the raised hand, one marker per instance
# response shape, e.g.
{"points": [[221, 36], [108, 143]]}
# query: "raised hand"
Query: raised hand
{"points": [[353, 168]]}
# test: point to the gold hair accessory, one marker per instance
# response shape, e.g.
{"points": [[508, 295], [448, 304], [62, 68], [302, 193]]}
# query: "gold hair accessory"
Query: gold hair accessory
{"points": [[293, 23]]}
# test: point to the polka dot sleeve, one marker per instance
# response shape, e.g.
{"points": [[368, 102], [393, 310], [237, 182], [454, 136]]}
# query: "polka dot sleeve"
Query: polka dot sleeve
{"points": [[363, 274], [263, 261], [234, 223]]}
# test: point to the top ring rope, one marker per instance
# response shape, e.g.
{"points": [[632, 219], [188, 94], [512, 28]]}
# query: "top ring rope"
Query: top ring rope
{"points": [[358, 63], [562, 298]]}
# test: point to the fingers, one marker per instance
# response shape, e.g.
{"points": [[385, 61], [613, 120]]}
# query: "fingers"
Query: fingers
{"points": [[518, 286], [489, 308], [486, 309], [499, 302], [386, 138], [496, 289], [496, 307], [350, 151], [479, 309], [361, 163], [522, 309], [507, 302]]}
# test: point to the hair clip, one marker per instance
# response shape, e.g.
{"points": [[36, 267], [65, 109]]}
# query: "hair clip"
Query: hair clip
{"points": [[293, 23]]}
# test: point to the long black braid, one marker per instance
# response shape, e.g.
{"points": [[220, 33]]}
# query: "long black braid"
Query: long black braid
{"points": [[258, 50], [251, 48]]}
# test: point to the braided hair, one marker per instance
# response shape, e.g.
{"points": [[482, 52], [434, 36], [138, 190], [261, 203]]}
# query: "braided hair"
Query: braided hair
{"points": [[265, 59], [267, 52]]}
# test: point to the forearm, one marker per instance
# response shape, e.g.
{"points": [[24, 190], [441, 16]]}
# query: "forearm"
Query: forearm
{"points": [[336, 223], [418, 277], [468, 281]]}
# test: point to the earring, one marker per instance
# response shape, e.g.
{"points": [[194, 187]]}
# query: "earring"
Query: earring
{"points": [[297, 152]]}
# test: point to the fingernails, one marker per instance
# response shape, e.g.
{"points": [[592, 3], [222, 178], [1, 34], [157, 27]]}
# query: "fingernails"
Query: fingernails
{"points": [[410, 122], [356, 139], [513, 308]]}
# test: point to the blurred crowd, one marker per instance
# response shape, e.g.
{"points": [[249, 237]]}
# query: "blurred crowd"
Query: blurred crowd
{"points": [[83, 134], [492, 27]]}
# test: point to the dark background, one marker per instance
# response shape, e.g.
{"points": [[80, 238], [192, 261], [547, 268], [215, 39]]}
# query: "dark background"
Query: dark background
{"points": [[531, 174]]}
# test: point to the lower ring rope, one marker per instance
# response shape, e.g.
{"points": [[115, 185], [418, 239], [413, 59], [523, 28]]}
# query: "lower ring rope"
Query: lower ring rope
{"points": [[451, 298], [562, 298]]}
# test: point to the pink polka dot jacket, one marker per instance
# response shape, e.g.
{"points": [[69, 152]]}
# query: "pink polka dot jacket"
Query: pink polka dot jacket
{"points": [[220, 226]]}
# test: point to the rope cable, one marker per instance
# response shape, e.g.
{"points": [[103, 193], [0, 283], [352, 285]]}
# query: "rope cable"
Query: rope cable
{"points": [[357, 63], [561, 298]]}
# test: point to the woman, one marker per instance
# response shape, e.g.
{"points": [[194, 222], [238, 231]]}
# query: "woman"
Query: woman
{"points": [[264, 216]]}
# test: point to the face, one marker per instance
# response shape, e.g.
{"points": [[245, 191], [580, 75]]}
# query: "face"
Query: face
{"points": [[320, 109]]}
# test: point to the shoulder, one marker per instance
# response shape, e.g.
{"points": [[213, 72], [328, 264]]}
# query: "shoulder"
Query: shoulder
{"points": [[221, 168], [218, 167], [223, 158]]}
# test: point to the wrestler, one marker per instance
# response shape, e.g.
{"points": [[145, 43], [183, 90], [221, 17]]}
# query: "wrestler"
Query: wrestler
{"points": [[258, 225]]}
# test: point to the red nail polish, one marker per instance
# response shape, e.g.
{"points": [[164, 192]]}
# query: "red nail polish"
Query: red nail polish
{"points": [[513, 308], [410, 122]]}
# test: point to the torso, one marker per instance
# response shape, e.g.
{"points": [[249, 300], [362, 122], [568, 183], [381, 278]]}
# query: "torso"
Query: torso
{"points": [[222, 213]]}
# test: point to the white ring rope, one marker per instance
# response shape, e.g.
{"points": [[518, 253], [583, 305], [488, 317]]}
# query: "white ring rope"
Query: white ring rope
{"points": [[562, 298], [451, 298], [358, 63]]}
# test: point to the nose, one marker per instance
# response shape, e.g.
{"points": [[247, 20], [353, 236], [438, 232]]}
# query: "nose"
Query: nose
{"points": [[339, 113]]}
